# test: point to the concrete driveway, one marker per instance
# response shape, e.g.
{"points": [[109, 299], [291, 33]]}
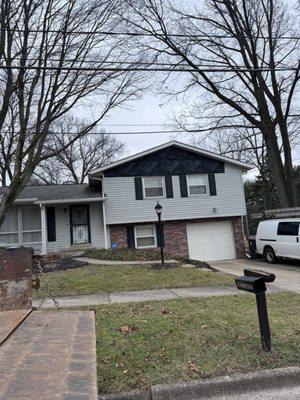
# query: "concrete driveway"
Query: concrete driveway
{"points": [[287, 273]]}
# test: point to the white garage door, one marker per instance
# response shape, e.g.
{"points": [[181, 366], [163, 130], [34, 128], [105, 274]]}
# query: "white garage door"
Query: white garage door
{"points": [[209, 241]]}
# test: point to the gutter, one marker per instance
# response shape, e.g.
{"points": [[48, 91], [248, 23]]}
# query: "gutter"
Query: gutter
{"points": [[63, 201]]}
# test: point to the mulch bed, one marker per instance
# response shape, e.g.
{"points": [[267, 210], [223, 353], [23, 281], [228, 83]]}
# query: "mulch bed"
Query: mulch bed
{"points": [[63, 264]]}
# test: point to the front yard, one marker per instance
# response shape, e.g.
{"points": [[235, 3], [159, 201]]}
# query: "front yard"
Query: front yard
{"points": [[98, 279], [162, 342]]}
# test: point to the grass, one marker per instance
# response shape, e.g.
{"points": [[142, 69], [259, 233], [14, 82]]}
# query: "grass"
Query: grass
{"points": [[99, 279], [190, 339], [125, 255]]}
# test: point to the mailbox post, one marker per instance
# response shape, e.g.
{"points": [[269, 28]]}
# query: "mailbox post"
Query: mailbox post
{"points": [[254, 281]]}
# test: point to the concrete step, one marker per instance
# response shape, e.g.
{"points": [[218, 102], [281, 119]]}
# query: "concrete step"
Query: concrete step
{"points": [[52, 355]]}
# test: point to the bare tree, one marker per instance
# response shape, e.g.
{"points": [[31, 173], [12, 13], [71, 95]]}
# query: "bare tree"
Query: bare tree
{"points": [[75, 162], [52, 57], [241, 55]]}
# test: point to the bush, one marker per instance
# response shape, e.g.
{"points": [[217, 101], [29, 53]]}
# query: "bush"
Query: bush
{"points": [[125, 255]]}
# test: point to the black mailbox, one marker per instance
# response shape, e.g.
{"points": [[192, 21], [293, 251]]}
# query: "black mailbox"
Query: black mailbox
{"points": [[267, 277], [251, 284], [254, 281]]}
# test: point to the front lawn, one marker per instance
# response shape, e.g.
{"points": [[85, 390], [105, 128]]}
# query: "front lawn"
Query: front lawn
{"points": [[99, 279], [162, 342]]}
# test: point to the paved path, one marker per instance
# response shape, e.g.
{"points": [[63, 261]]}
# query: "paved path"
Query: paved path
{"points": [[109, 262], [50, 356], [140, 296], [287, 275]]}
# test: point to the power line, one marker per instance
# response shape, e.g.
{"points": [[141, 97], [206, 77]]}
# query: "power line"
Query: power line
{"points": [[135, 69], [155, 34], [147, 63]]}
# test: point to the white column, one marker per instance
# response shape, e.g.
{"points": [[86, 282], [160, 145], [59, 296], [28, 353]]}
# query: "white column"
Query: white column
{"points": [[104, 224], [44, 229]]}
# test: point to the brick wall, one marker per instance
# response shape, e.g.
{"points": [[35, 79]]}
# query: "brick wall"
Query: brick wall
{"points": [[118, 234], [175, 234], [239, 238], [15, 279]]}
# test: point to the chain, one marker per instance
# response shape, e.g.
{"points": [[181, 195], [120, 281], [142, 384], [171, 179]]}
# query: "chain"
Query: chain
{"points": [[40, 274]]}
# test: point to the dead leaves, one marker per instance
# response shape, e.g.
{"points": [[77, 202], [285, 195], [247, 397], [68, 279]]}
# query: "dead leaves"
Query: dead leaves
{"points": [[166, 311], [127, 329]]}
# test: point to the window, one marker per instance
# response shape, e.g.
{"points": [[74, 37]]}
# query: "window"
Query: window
{"points": [[197, 184], [9, 233], [145, 236], [288, 228], [31, 225], [21, 225], [153, 186]]}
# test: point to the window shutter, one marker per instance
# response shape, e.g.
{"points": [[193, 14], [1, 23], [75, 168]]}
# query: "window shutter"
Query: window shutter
{"points": [[51, 224], [159, 236], [212, 184], [130, 237], [138, 188], [183, 186], [169, 186]]}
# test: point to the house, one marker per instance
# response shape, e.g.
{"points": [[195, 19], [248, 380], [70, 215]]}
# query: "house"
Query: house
{"points": [[201, 194]]}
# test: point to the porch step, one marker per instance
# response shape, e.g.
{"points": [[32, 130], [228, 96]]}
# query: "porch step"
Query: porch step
{"points": [[52, 355]]}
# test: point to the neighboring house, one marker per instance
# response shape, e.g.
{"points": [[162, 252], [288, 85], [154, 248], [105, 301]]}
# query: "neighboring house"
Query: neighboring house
{"points": [[201, 193]]}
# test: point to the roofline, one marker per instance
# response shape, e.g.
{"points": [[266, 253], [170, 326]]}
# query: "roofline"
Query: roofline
{"points": [[62, 201], [194, 149]]}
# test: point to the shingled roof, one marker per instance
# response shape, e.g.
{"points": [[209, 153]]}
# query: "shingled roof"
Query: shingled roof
{"points": [[41, 193]]}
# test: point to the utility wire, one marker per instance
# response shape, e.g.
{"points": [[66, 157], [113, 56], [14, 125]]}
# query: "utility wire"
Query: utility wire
{"points": [[147, 63], [134, 69], [181, 35]]}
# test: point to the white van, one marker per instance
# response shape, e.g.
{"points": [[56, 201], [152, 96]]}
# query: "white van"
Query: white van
{"points": [[278, 238]]}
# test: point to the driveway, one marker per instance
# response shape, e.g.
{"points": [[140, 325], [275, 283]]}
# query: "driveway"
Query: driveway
{"points": [[287, 274]]}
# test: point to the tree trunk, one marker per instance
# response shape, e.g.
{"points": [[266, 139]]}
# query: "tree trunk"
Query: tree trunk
{"points": [[277, 169]]}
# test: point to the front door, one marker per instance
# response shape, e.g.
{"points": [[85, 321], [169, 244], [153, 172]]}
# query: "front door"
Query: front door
{"points": [[79, 224]]}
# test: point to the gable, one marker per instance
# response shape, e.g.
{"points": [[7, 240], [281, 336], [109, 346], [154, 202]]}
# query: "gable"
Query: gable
{"points": [[172, 160]]}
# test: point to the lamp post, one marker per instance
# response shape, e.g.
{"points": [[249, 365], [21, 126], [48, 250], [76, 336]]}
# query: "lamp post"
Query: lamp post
{"points": [[158, 210]]}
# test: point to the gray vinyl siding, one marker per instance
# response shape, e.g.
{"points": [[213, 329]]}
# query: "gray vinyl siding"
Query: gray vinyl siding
{"points": [[122, 207], [63, 236]]}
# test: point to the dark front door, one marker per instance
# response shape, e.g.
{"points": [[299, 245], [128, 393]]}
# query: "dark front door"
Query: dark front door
{"points": [[80, 232]]}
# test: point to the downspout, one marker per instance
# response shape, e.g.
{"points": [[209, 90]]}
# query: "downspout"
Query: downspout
{"points": [[44, 229]]}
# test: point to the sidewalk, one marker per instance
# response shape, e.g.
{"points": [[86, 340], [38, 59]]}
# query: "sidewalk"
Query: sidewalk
{"points": [[140, 296], [109, 262], [50, 356]]}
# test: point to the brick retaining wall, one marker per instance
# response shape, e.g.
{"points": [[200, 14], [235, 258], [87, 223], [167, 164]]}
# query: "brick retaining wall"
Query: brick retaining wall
{"points": [[15, 279]]}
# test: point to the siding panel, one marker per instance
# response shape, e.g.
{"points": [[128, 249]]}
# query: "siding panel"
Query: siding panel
{"points": [[63, 238], [121, 206]]}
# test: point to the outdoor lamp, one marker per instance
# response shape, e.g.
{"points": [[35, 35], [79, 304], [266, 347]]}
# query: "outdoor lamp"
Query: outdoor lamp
{"points": [[158, 209]]}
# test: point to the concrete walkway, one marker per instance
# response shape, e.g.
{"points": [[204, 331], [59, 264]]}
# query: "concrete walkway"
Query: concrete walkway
{"points": [[140, 296], [50, 356], [109, 262]]}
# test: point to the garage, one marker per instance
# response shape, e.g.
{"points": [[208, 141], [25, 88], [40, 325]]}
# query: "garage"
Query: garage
{"points": [[210, 241]]}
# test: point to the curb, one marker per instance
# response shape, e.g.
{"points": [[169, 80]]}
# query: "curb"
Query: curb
{"points": [[208, 388]]}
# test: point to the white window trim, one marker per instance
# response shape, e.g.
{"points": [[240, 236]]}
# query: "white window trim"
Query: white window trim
{"points": [[199, 194], [163, 186], [135, 237]]}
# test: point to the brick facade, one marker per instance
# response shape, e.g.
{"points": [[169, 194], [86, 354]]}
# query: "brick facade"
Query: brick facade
{"points": [[15, 279], [238, 230], [118, 234], [175, 234]]}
